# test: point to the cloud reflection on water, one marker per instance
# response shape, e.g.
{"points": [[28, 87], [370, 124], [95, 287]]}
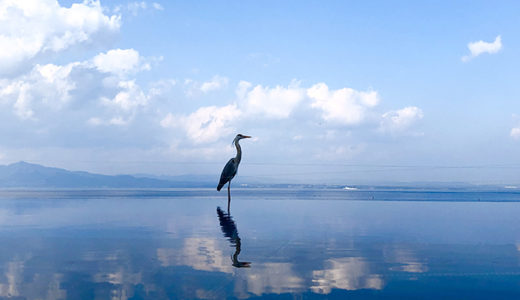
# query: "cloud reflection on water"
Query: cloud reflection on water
{"points": [[207, 254], [14, 275], [406, 259], [347, 273], [41, 286], [199, 253], [274, 278]]}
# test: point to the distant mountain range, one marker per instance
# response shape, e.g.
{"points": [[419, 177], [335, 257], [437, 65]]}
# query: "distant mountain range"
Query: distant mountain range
{"points": [[27, 175]]}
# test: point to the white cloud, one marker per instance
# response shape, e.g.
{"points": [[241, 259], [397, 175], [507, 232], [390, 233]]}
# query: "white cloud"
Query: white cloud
{"points": [[119, 61], [242, 89], [401, 119], [157, 6], [48, 84], [55, 86], [134, 7], [193, 88], [480, 47], [137, 6], [52, 87], [30, 28], [515, 133], [259, 103], [162, 86], [344, 106], [22, 105], [207, 124], [277, 102], [216, 83], [129, 97]]}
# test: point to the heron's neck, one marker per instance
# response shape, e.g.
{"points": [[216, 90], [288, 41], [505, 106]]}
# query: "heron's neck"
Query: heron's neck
{"points": [[239, 152]]}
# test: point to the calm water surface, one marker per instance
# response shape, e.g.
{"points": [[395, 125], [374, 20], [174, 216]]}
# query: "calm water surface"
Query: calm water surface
{"points": [[272, 243]]}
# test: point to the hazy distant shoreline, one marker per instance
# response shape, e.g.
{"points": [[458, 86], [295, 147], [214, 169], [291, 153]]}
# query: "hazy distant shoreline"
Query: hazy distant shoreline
{"points": [[28, 176], [255, 194]]}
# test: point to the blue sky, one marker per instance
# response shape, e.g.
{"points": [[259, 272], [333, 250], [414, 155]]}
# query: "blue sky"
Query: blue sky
{"points": [[338, 92]]}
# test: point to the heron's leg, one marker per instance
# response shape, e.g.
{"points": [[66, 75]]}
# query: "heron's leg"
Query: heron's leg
{"points": [[228, 195]]}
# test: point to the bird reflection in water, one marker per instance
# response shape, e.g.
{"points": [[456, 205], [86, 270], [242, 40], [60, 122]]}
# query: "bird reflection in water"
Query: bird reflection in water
{"points": [[230, 231]]}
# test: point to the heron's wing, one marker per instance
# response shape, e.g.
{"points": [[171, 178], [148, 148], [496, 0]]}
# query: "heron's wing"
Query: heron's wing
{"points": [[228, 173]]}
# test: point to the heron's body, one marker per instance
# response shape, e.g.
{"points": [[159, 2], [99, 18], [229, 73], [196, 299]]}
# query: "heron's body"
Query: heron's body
{"points": [[231, 168]]}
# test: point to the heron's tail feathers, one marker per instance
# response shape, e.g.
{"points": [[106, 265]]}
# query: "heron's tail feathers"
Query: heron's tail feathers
{"points": [[222, 183]]}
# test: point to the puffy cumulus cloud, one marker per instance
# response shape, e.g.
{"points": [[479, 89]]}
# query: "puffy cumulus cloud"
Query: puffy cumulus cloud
{"points": [[277, 102], [481, 47], [344, 106], [216, 83], [401, 119], [515, 133], [340, 108], [49, 85], [129, 97], [123, 107], [19, 91], [30, 28], [207, 124], [120, 61], [54, 87]]}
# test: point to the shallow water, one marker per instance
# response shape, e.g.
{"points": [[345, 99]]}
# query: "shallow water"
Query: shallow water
{"points": [[143, 244]]}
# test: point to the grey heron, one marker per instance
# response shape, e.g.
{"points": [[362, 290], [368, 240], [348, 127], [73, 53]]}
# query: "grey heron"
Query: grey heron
{"points": [[230, 169]]}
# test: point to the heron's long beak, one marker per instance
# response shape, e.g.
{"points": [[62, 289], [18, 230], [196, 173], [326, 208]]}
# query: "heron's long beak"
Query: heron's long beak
{"points": [[246, 136]]}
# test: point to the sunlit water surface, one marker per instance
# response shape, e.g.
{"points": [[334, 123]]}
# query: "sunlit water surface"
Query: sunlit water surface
{"points": [[273, 243]]}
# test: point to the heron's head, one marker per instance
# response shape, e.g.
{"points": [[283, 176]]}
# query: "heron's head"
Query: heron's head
{"points": [[241, 136]]}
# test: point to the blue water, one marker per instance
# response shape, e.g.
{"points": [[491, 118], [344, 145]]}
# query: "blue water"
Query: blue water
{"points": [[177, 244]]}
